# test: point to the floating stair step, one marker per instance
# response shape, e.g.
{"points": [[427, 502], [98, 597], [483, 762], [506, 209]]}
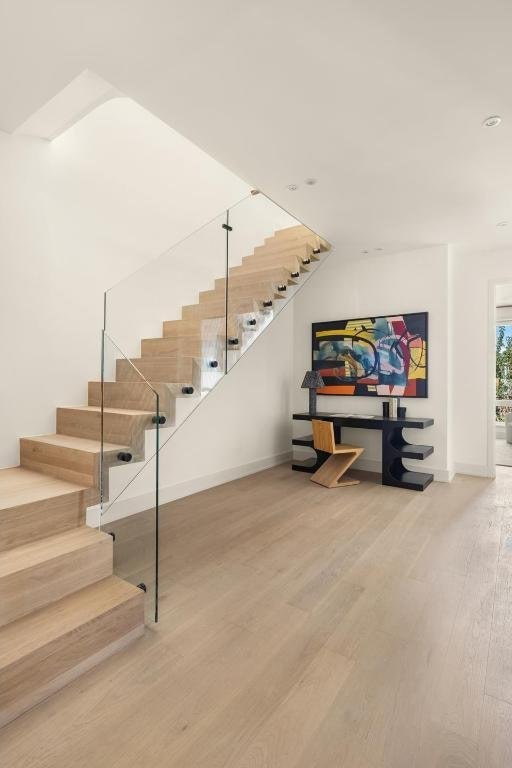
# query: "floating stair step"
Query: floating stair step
{"points": [[74, 459], [279, 243], [131, 394], [33, 506], [298, 249], [205, 329], [297, 230], [253, 270], [273, 275], [36, 574], [414, 451], [290, 261], [167, 369], [190, 346], [300, 232], [218, 309], [257, 292], [120, 425], [42, 652]]}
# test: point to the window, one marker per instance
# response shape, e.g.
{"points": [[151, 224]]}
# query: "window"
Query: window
{"points": [[503, 370]]}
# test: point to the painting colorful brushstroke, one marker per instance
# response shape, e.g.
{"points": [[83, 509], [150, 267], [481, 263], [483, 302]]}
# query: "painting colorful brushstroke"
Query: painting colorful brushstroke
{"points": [[374, 356]]}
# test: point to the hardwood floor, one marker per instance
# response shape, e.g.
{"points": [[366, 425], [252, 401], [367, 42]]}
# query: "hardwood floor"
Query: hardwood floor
{"points": [[365, 627]]}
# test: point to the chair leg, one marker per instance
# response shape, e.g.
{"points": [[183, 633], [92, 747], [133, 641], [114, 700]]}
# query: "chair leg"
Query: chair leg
{"points": [[332, 472]]}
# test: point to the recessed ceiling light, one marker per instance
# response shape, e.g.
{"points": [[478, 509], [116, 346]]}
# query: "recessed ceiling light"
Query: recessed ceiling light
{"points": [[502, 223], [363, 251], [492, 121], [292, 187], [379, 249], [310, 182]]}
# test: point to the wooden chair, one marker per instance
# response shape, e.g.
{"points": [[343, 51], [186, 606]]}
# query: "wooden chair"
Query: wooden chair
{"points": [[332, 472]]}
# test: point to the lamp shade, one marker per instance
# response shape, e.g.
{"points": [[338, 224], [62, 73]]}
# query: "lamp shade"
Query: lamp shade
{"points": [[312, 380]]}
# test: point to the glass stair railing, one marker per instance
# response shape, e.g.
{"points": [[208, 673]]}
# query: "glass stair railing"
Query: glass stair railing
{"points": [[172, 331]]}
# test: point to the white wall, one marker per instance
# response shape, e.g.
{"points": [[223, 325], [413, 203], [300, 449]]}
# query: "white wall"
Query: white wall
{"points": [[475, 276], [242, 426], [83, 212], [414, 281]]}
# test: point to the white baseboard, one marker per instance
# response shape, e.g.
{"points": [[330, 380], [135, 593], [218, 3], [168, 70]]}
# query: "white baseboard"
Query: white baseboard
{"points": [[478, 470], [131, 506]]}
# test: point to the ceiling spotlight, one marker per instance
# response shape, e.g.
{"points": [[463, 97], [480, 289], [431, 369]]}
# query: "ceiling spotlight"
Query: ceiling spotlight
{"points": [[502, 223], [379, 249], [310, 182], [492, 121], [292, 187], [363, 251]]}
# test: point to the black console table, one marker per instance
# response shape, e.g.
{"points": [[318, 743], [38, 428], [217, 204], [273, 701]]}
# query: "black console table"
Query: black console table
{"points": [[394, 446]]}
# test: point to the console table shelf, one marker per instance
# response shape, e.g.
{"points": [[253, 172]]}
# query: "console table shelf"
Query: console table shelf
{"points": [[307, 440], [394, 446]]}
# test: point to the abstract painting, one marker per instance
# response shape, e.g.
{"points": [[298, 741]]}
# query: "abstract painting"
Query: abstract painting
{"points": [[374, 356]]}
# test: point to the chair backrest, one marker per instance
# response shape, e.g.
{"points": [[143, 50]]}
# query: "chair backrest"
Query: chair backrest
{"points": [[323, 435]]}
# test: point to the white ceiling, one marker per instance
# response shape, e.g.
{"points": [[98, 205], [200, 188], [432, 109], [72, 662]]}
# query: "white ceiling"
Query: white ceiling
{"points": [[381, 100]]}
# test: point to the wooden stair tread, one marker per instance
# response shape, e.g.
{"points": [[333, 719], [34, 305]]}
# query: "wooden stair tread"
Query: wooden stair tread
{"points": [[28, 555], [76, 443], [24, 486], [97, 409], [37, 629]]}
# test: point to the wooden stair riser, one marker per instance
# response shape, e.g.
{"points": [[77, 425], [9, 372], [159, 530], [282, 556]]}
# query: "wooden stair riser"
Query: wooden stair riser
{"points": [[136, 395], [37, 574], [316, 244], [71, 464], [118, 427], [56, 644], [161, 369], [290, 262], [300, 233], [299, 250], [256, 271], [35, 520], [257, 291], [195, 347], [236, 307], [211, 330], [274, 275], [196, 328]]}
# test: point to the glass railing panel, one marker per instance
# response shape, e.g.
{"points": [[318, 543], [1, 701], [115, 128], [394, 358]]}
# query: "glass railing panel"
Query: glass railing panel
{"points": [[165, 348], [271, 255], [132, 412], [173, 329], [153, 313]]}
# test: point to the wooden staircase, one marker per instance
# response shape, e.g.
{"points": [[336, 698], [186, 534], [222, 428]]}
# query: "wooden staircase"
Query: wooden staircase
{"points": [[61, 608]]}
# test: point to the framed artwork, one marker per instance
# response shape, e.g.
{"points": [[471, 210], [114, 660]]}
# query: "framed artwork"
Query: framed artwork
{"points": [[373, 356]]}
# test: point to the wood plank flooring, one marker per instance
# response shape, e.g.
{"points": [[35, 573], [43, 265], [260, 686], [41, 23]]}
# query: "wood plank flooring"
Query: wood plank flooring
{"points": [[361, 627]]}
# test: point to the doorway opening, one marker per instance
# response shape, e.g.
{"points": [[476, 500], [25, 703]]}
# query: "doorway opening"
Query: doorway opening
{"points": [[503, 364]]}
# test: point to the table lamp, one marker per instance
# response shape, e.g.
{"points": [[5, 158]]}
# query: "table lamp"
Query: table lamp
{"points": [[312, 380]]}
